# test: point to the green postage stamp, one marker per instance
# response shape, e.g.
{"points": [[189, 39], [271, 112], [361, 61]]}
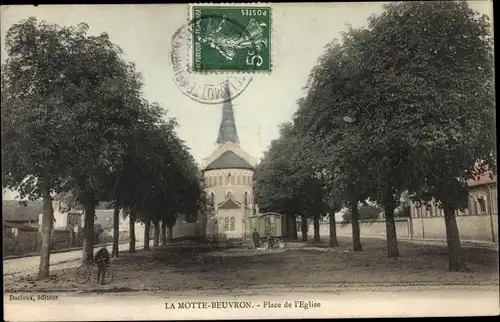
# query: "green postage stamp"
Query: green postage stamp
{"points": [[235, 38]]}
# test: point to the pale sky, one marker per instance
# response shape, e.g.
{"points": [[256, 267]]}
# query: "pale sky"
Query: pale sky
{"points": [[144, 32]]}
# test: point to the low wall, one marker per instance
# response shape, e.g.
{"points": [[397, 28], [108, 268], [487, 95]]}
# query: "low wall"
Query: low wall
{"points": [[62, 239], [475, 227], [376, 228], [29, 241], [19, 242], [138, 232]]}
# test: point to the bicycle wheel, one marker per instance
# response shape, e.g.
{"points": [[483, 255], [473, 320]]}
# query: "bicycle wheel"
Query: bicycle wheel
{"points": [[108, 277], [82, 274]]}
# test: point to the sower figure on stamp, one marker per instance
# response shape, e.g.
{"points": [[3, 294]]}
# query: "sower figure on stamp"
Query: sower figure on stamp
{"points": [[256, 239], [102, 259]]}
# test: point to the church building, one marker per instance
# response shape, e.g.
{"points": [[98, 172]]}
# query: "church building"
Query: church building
{"points": [[228, 177]]}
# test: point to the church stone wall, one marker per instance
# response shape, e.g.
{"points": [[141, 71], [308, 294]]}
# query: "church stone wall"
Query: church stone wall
{"points": [[236, 231], [238, 182]]}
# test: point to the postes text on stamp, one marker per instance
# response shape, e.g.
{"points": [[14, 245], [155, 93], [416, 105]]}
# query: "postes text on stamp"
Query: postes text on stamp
{"points": [[236, 38]]}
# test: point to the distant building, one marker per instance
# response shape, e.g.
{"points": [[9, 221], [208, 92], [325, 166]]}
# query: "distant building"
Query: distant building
{"points": [[228, 176], [483, 199], [64, 217], [15, 214]]}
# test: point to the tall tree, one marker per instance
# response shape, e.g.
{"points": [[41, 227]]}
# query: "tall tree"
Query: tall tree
{"points": [[88, 97], [130, 179], [286, 181], [35, 124], [437, 93], [163, 180], [328, 119]]}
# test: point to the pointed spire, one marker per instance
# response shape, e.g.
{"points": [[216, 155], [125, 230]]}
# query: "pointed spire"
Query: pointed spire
{"points": [[227, 130]]}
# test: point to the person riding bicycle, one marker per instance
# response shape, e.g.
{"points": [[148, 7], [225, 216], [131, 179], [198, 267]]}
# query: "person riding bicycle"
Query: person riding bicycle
{"points": [[101, 258]]}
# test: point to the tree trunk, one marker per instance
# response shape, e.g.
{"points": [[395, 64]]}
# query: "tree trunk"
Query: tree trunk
{"points": [[295, 237], [88, 230], [356, 238], [116, 230], [288, 228], [147, 232], [410, 226], [390, 227], [156, 235], [116, 218], [455, 261], [304, 228], [333, 231], [170, 234], [204, 226], [132, 220], [47, 224], [317, 237], [285, 224], [163, 233]]}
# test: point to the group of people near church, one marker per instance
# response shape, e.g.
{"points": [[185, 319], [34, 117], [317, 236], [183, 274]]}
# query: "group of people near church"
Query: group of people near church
{"points": [[256, 239]]}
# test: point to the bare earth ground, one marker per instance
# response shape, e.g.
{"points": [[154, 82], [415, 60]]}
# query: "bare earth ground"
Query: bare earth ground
{"points": [[209, 267]]}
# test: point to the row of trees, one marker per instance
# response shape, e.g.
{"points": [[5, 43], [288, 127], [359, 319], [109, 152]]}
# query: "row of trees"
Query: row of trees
{"points": [[405, 105], [76, 126]]}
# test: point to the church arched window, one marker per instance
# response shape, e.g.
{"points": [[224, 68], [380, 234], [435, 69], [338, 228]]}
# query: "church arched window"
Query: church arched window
{"points": [[246, 198], [226, 223], [238, 179], [220, 180], [233, 224], [212, 199], [228, 195]]}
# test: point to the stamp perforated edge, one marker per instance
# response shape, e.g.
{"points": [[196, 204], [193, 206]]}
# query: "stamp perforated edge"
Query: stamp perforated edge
{"points": [[230, 72]]}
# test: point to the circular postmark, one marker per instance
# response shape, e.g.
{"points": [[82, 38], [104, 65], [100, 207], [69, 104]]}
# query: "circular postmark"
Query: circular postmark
{"points": [[207, 88]]}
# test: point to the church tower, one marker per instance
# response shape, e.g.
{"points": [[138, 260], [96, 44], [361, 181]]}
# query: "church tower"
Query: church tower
{"points": [[227, 129], [228, 175]]}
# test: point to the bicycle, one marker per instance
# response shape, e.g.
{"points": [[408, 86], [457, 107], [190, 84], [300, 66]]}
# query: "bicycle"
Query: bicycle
{"points": [[275, 242], [85, 271]]}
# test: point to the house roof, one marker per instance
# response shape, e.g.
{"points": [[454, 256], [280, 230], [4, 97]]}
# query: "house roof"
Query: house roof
{"points": [[485, 178], [12, 210], [229, 160], [229, 204]]}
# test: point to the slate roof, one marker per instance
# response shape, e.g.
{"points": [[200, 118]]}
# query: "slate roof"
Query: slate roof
{"points": [[229, 204], [227, 130], [229, 160], [12, 210]]}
